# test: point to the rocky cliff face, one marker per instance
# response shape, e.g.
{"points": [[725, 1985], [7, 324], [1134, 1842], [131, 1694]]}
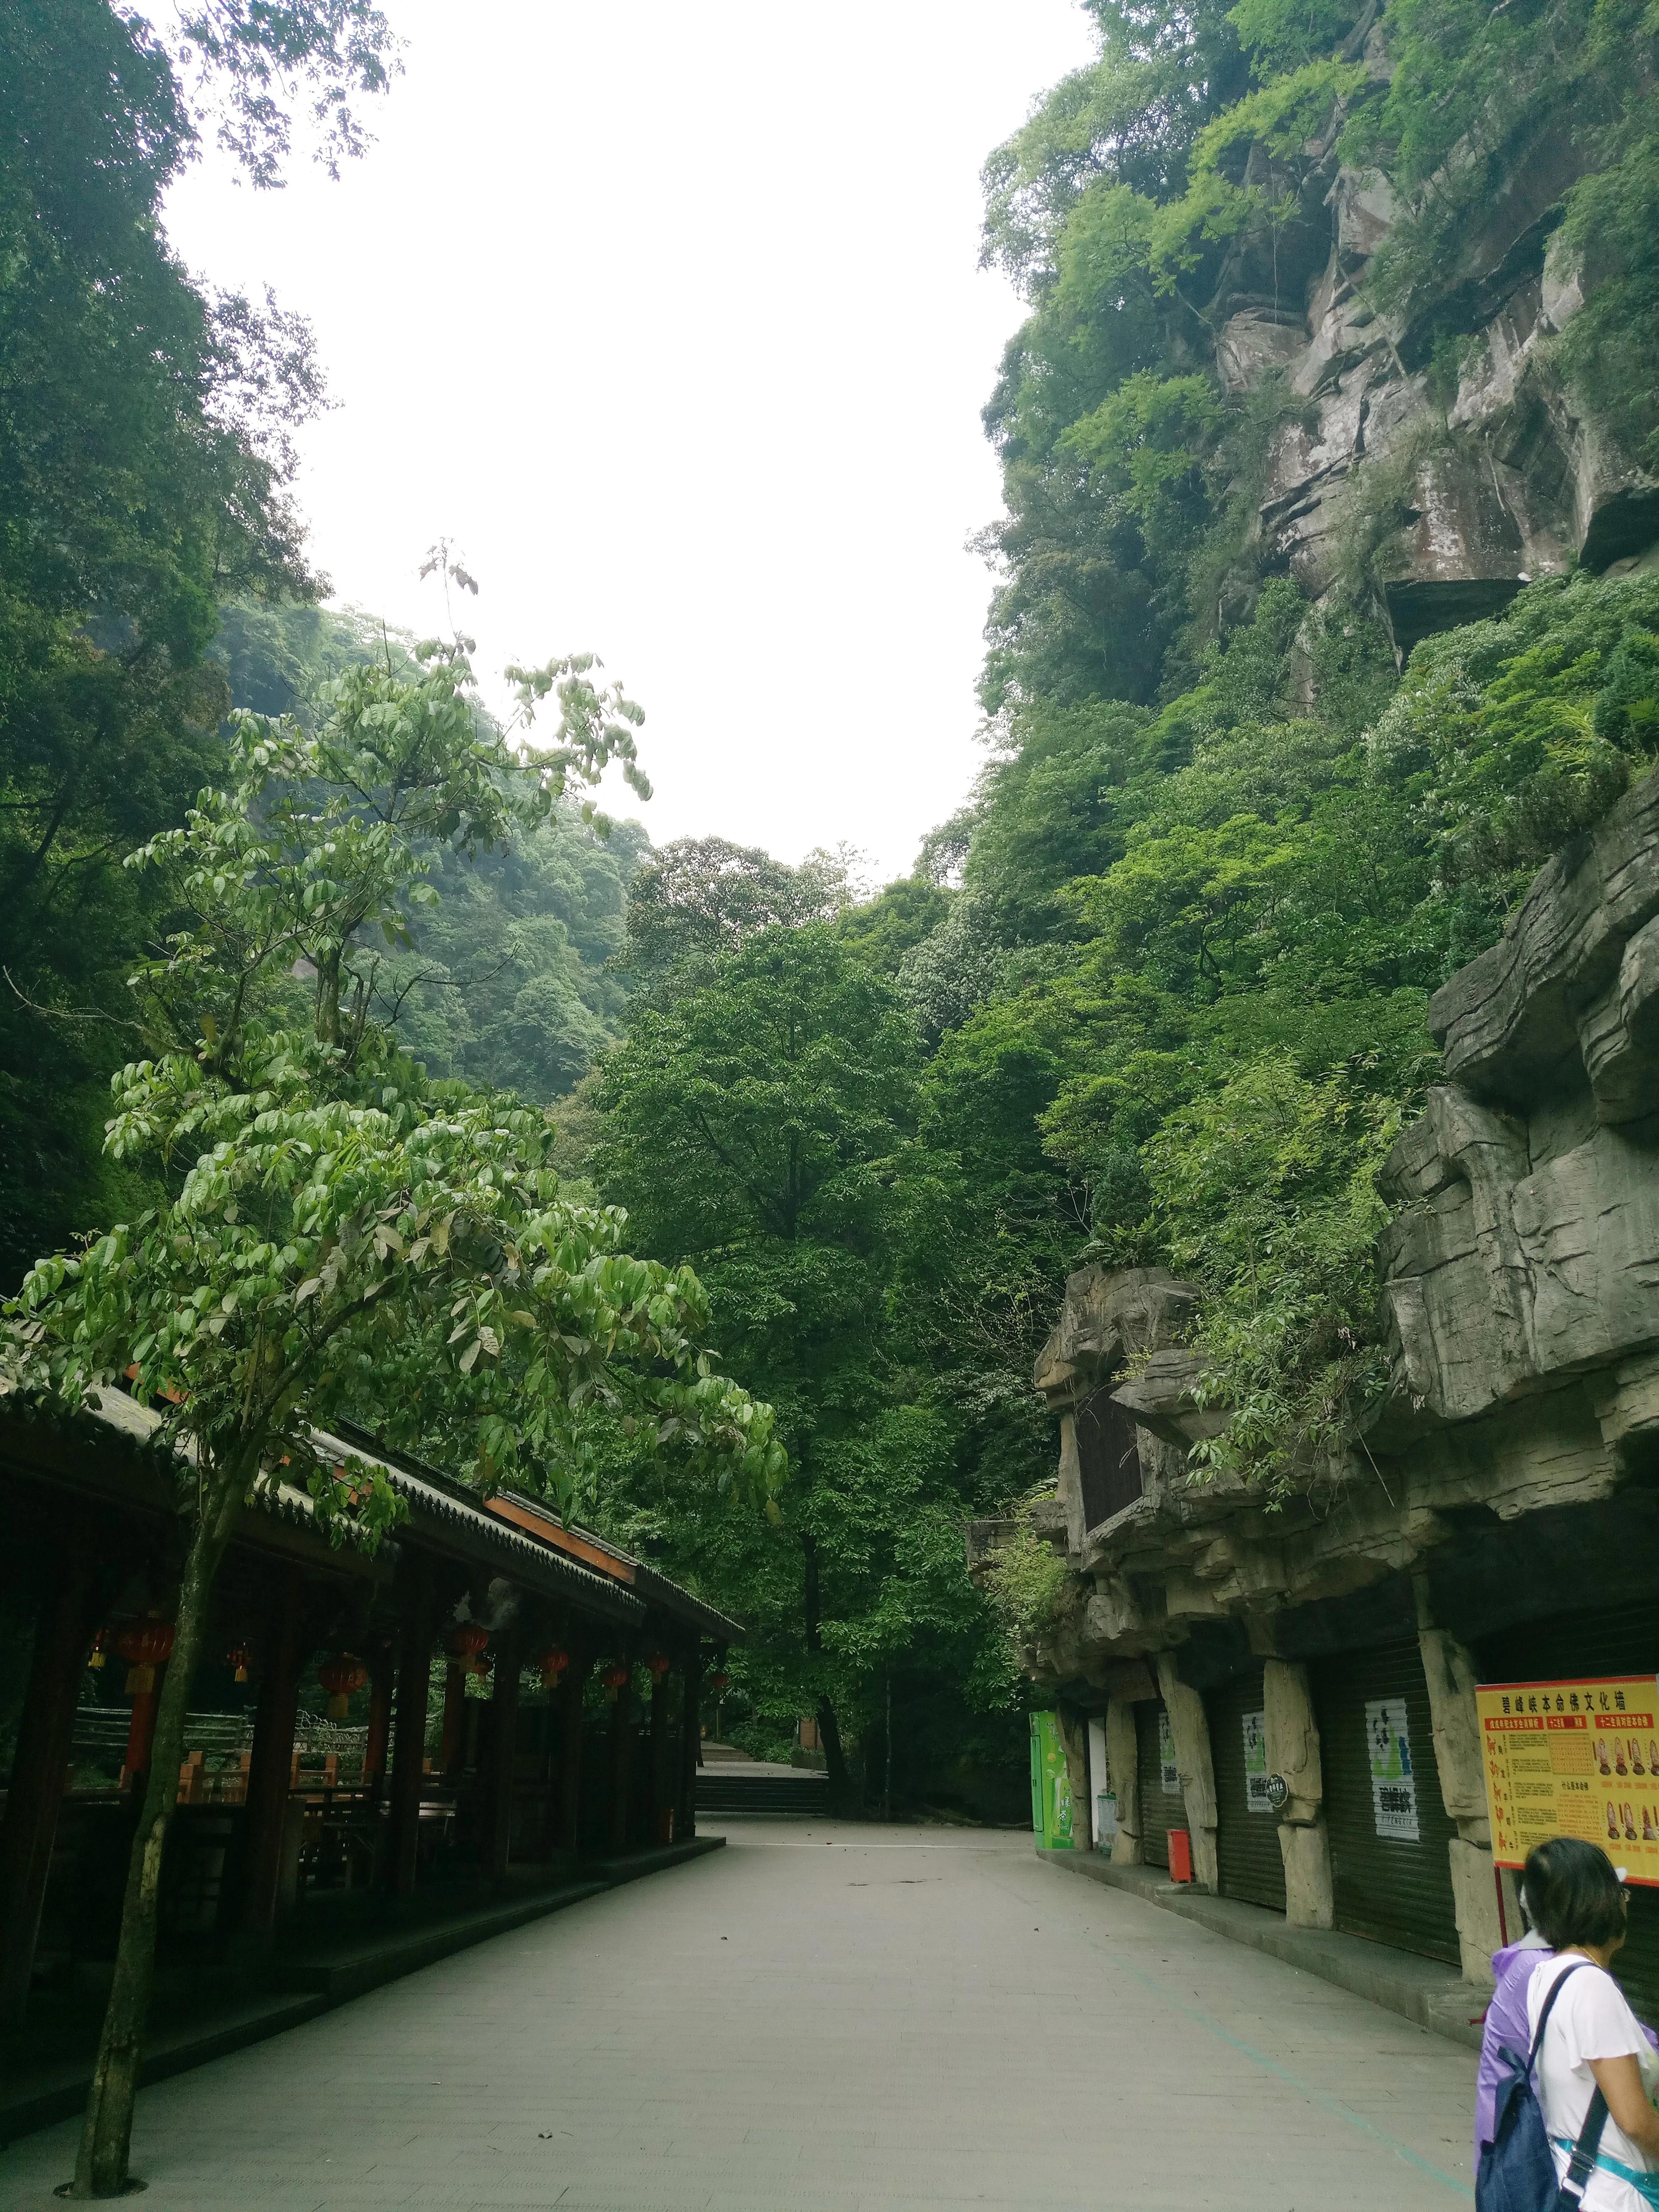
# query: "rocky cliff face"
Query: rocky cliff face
{"points": [[1454, 498], [1521, 1278]]}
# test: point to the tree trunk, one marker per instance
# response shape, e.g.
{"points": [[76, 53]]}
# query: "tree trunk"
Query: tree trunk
{"points": [[100, 2169], [835, 1758]]}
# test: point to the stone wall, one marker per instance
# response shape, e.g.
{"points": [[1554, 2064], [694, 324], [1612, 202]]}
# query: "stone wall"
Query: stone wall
{"points": [[1519, 1445]]}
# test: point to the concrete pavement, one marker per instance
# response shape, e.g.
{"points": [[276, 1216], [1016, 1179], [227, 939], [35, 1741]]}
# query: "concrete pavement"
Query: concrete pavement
{"points": [[822, 2018]]}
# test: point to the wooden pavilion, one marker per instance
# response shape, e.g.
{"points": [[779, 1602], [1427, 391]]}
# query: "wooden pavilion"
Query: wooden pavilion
{"points": [[480, 1667]]}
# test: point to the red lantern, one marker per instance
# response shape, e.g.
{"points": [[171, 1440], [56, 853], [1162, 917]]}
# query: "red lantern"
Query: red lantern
{"points": [[241, 1659], [554, 1663], [467, 1641], [659, 1662], [720, 1681], [614, 1678], [341, 1676], [95, 1657], [145, 1645]]}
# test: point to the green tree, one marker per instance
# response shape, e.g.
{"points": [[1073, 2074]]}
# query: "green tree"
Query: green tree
{"points": [[332, 1237], [145, 453], [755, 1123]]}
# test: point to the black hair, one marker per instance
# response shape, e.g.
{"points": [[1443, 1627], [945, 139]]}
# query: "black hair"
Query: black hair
{"points": [[1573, 1895]]}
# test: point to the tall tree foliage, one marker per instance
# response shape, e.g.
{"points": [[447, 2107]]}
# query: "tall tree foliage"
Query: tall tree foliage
{"points": [[754, 1126], [331, 1236], [144, 452]]}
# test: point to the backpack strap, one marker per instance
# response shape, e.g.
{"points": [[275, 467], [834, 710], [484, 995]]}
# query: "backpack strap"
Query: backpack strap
{"points": [[1544, 2017], [1581, 2163]]}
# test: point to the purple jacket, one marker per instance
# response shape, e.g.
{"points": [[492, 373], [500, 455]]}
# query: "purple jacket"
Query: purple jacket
{"points": [[1506, 2025]]}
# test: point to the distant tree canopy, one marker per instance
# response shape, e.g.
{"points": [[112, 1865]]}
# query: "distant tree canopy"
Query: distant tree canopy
{"points": [[145, 453]]}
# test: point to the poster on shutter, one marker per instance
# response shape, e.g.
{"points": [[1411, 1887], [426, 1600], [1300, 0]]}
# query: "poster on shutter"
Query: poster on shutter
{"points": [[1256, 1763], [1170, 1773], [1394, 1784], [1577, 1757]]}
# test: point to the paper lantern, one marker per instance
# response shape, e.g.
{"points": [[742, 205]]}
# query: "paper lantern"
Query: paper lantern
{"points": [[241, 1659], [341, 1676], [554, 1663], [659, 1662], [467, 1641], [720, 1681], [145, 1645], [614, 1678], [95, 1657]]}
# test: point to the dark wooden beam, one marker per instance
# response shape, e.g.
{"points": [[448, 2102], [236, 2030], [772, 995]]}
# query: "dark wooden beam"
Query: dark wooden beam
{"points": [[281, 1653], [61, 1636], [414, 1642]]}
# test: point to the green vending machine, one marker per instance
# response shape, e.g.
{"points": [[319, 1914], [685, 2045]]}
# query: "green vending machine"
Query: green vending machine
{"points": [[1051, 1785]]}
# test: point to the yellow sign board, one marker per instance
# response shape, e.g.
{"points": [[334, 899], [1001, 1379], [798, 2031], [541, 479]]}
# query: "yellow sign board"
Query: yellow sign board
{"points": [[1574, 1758]]}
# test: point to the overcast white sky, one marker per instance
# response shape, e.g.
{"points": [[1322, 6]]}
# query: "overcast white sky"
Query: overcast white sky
{"points": [[669, 317]]}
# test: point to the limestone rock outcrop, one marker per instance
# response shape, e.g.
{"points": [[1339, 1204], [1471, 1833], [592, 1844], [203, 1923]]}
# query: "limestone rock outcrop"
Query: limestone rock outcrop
{"points": [[1461, 496]]}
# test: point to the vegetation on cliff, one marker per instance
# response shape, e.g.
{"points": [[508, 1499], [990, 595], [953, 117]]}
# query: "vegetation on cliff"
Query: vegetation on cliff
{"points": [[1156, 992]]}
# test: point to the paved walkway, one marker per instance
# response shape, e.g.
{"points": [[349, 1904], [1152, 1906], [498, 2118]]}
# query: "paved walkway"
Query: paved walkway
{"points": [[823, 2019]]}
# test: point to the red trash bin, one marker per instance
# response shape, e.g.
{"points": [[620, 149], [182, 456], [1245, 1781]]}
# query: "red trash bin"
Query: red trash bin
{"points": [[1181, 1854]]}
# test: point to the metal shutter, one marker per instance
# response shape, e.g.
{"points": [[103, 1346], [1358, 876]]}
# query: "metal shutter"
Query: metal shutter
{"points": [[1247, 1856], [1620, 1640], [1160, 1810], [1391, 1888]]}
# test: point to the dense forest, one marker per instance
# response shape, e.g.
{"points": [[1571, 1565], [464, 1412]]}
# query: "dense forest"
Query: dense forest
{"points": [[1155, 993]]}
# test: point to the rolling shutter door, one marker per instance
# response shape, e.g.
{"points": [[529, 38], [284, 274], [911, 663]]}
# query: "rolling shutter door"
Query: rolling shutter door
{"points": [[1247, 1857], [1622, 1640], [1161, 1809], [1391, 1884]]}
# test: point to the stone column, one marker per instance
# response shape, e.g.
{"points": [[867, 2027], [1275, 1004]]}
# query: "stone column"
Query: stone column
{"points": [[1074, 1742], [1121, 1758], [1190, 1727], [661, 1789], [1293, 1751], [62, 1632], [1450, 1674], [379, 1717], [622, 1763], [409, 1735], [503, 1752], [449, 1743], [690, 1742], [270, 1769], [570, 1747]]}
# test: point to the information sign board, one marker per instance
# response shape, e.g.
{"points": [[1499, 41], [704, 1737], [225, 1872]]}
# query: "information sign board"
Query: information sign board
{"points": [[1576, 1757]]}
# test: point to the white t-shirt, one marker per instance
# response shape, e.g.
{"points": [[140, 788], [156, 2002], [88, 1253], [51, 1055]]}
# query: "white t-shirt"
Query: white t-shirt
{"points": [[1590, 2020]]}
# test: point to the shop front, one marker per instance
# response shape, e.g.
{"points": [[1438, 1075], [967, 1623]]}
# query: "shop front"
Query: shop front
{"points": [[1388, 1829], [1162, 1806], [1248, 1862]]}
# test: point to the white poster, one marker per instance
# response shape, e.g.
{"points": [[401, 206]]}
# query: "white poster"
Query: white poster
{"points": [[1394, 1785], [1256, 1763], [1169, 1779]]}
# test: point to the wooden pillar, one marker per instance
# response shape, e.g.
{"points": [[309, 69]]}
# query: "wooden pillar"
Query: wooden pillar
{"points": [[662, 1792], [690, 1742], [571, 1690], [379, 1717], [622, 1763], [270, 1769], [409, 1735], [503, 1752], [61, 1637], [449, 1748]]}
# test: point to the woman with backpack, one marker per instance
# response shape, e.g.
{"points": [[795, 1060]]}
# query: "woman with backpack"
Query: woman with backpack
{"points": [[1593, 2052]]}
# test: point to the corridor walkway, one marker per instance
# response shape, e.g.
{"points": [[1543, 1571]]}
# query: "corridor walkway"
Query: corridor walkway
{"points": [[822, 2018]]}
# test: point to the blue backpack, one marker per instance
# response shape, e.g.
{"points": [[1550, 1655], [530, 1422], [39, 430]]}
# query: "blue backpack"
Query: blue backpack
{"points": [[1517, 2167]]}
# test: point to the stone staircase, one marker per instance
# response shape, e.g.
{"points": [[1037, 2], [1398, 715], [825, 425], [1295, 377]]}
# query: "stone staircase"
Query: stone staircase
{"points": [[731, 1783]]}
